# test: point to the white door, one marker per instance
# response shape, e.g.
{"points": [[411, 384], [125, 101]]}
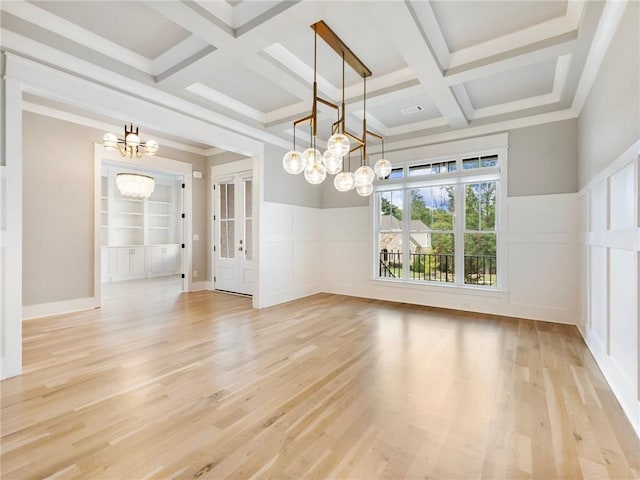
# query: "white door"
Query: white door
{"points": [[233, 242]]}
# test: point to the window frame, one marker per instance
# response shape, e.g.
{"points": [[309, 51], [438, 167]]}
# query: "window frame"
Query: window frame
{"points": [[459, 179]]}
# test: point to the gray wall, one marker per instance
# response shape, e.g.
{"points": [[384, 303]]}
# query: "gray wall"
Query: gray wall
{"points": [[58, 177], [282, 187], [543, 159], [610, 119]]}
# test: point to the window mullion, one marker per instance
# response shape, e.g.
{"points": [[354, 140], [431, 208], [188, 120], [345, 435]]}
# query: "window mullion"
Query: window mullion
{"points": [[406, 227], [459, 235]]}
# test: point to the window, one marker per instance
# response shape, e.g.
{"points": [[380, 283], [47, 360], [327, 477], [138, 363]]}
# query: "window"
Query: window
{"points": [[439, 228]]}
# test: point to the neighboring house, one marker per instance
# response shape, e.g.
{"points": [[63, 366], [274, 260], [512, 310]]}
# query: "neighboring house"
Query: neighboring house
{"points": [[420, 235]]}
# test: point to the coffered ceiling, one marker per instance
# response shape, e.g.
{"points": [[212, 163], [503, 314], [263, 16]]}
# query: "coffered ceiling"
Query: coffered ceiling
{"points": [[438, 66]]}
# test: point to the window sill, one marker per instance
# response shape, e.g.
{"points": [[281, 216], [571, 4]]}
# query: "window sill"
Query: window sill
{"points": [[437, 287]]}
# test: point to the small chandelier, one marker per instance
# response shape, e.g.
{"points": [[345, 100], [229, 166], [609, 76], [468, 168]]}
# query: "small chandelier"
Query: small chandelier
{"points": [[132, 184], [315, 164]]}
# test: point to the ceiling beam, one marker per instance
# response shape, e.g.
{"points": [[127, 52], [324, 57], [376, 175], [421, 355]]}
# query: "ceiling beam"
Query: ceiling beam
{"points": [[407, 33]]}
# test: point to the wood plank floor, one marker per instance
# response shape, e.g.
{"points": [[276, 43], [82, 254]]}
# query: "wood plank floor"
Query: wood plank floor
{"points": [[161, 385]]}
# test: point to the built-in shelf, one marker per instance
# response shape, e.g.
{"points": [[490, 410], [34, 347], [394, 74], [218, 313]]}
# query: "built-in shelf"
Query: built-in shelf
{"points": [[140, 221]]}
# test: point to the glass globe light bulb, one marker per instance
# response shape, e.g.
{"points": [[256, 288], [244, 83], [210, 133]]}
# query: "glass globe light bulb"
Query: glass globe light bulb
{"points": [[364, 176], [132, 140], [332, 162], [293, 163], [364, 190], [151, 147], [311, 156], [344, 181], [338, 144], [382, 168], [315, 173], [110, 141]]}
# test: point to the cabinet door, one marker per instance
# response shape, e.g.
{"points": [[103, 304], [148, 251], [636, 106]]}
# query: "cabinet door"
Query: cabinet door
{"points": [[155, 261], [123, 262], [138, 264]]}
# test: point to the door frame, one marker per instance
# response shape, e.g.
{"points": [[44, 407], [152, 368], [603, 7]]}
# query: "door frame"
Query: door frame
{"points": [[245, 165], [161, 164]]}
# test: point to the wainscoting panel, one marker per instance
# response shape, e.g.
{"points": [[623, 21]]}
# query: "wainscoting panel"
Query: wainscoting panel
{"points": [[611, 232], [290, 253]]}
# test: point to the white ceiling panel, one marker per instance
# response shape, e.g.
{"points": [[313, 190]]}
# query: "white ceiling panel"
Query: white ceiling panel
{"points": [[391, 115], [248, 87], [132, 25], [354, 26], [259, 75], [468, 23], [525, 82]]}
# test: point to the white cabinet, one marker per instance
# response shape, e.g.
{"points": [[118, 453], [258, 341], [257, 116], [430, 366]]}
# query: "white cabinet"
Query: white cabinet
{"points": [[125, 263], [162, 260], [130, 262]]}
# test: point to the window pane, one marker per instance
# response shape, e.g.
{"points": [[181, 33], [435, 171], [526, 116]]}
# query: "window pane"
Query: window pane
{"points": [[390, 211], [469, 163], [489, 161], [396, 173], [248, 239], [390, 262], [432, 208], [230, 200], [226, 239], [432, 168], [224, 244], [480, 263], [437, 263], [248, 195], [480, 162], [223, 201], [480, 206]]}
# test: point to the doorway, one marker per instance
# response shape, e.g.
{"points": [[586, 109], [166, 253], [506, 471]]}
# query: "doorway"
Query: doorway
{"points": [[142, 238], [233, 233]]}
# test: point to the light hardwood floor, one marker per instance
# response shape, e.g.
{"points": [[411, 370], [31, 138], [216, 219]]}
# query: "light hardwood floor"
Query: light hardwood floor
{"points": [[161, 385]]}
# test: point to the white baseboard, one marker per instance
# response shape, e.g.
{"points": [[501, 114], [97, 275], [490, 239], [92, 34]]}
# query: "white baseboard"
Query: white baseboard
{"points": [[57, 308], [200, 286]]}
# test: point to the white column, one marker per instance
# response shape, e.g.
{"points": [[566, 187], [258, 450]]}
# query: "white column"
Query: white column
{"points": [[11, 239]]}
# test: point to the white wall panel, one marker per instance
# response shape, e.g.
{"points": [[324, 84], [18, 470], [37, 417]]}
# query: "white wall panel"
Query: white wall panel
{"points": [[598, 207], [623, 314], [622, 191], [536, 271], [291, 254], [609, 296], [598, 298]]}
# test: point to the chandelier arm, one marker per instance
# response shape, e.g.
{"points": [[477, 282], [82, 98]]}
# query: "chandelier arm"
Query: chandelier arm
{"points": [[375, 135], [294, 136], [302, 120], [122, 152], [353, 137], [328, 103]]}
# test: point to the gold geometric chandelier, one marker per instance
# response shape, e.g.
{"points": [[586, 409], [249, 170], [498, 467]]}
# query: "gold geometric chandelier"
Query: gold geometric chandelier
{"points": [[316, 165], [132, 184]]}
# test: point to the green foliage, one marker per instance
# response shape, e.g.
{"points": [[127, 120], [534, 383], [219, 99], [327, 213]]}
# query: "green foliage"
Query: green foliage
{"points": [[389, 208]]}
